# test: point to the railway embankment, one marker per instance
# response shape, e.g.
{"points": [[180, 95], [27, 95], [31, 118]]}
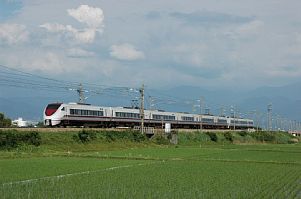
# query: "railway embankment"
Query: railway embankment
{"points": [[84, 140]]}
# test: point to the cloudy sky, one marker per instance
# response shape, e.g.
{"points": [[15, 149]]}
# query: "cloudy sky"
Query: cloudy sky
{"points": [[166, 43]]}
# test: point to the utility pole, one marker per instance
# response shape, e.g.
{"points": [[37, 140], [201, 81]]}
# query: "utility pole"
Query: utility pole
{"points": [[257, 120], [269, 122], [80, 92], [202, 101], [142, 108], [234, 119], [232, 110]]}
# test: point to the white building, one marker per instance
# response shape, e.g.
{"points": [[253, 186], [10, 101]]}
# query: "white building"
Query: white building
{"points": [[20, 122], [23, 123]]}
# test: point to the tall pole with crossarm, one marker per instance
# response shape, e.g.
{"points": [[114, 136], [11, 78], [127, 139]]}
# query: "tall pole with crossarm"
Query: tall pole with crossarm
{"points": [[142, 108], [269, 122]]}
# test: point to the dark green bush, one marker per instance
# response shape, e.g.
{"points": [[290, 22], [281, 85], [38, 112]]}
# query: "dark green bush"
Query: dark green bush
{"points": [[213, 136], [134, 136], [138, 137], [32, 138], [8, 140], [4, 121], [264, 136], [228, 136], [85, 136], [12, 139], [109, 136], [160, 139], [243, 133]]}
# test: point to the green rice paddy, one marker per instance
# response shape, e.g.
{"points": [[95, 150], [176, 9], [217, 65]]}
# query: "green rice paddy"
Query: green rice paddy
{"points": [[209, 171]]}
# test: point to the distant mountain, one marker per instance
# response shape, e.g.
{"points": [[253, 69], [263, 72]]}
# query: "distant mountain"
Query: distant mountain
{"points": [[285, 100]]}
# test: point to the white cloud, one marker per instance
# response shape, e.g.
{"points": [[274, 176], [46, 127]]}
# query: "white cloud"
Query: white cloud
{"points": [[85, 36], [55, 27], [81, 36], [284, 71], [92, 17], [295, 47], [35, 60], [192, 54], [246, 30], [49, 62], [126, 52], [13, 33], [251, 28], [251, 46], [78, 52]]}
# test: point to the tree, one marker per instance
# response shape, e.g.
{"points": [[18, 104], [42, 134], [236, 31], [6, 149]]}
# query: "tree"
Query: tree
{"points": [[4, 122]]}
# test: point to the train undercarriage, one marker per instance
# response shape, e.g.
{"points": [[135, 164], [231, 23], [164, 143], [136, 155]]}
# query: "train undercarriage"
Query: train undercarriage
{"points": [[115, 123]]}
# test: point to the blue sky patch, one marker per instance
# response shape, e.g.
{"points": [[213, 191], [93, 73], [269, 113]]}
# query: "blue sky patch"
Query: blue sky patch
{"points": [[9, 8]]}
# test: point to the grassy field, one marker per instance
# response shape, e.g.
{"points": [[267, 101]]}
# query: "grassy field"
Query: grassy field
{"points": [[169, 172], [62, 168]]}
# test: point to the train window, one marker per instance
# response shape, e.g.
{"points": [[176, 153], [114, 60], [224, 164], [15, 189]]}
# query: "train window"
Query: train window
{"points": [[207, 120], [100, 113], [53, 106], [185, 118], [51, 109], [63, 109], [164, 117], [85, 112], [222, 121], [127, 115]]}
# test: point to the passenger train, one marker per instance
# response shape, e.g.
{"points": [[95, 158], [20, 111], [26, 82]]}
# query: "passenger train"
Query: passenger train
{"points": [[77, 114]]}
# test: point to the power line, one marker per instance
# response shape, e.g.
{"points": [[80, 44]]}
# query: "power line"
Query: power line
{"points": [[16, 78]]}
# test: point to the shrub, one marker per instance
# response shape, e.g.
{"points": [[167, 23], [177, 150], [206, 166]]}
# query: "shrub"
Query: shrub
{"points": [[12, 139], [213, 136], [264, 136], [8, 140], [4, 122], [228, 136], [109, 136], [138, 137], [242, 133], [85, 136], [160, 139], [32, 138]]}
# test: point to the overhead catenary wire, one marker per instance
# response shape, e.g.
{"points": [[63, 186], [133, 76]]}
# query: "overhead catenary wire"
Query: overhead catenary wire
{"points": [[16, 78], [17, 73], [19, 79]]}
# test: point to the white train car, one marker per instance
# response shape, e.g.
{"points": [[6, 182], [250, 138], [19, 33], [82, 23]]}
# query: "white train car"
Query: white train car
{"points": [[240, 123], [75, 114]]}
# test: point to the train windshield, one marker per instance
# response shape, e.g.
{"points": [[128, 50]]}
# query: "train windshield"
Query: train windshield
{"points": [[51, 108]]}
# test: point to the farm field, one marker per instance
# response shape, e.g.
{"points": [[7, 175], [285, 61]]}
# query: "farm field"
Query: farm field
{"points": [[209, 171]]}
